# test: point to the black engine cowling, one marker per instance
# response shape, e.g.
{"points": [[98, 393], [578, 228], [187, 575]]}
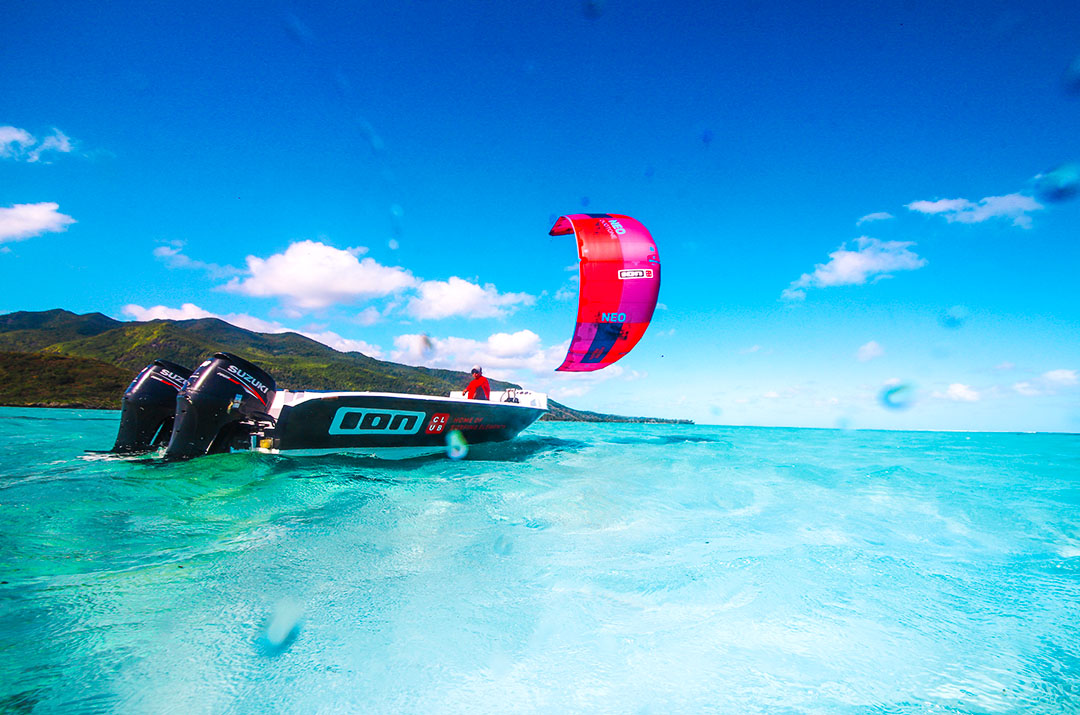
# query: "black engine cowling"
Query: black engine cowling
{"points": [[146, 417], [223, 398]]}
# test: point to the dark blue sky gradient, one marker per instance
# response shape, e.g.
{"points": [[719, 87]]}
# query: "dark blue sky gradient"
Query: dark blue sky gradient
{"points": [[749, 137]]}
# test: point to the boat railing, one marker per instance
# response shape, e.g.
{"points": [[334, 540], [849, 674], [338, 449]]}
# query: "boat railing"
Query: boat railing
{"points": [[526, 398]]}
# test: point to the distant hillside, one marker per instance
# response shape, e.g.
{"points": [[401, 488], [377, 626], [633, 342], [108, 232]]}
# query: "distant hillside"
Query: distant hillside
{"points": [[43, 380], [295, 362], [562, 413], [28, 332]]}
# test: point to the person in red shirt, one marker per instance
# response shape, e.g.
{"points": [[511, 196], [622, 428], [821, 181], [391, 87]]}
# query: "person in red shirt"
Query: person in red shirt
{"points": [[478, 389]]}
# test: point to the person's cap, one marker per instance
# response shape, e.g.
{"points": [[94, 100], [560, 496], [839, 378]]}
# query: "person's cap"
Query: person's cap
{"points": [[477, 370]]}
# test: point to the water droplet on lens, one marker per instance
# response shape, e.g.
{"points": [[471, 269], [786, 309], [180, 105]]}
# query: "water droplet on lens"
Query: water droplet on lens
{"points": [[1071, 79], [592, 9], [456, 446], [584, 200], [397, 225], [897, 396], [282, 628], [1059, 184], [373, 139], [300, 32], [707, 137], [503, 545], [954, 318], [650, 171]]}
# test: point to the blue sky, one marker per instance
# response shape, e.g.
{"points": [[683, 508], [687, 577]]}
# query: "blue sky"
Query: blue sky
{"points": [[846, 198]]}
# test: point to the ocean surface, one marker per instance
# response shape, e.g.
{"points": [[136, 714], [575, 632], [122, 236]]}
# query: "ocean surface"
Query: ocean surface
{"points": [[579, 568]]}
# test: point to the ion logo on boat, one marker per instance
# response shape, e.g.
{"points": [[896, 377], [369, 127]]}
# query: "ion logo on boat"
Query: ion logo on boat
{"points": [[635, 273], [358, 420]]}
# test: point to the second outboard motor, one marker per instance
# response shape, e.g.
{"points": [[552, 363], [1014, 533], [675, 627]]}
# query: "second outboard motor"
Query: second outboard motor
{"points": [[222, 393], [146, 418]]}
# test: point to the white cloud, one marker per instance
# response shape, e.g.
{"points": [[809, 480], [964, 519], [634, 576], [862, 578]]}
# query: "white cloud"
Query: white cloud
{"points": [[173, 257], [501, 351], [368, 316], [510, 345], [311, 275], [1027, 389], [57, 142], [566, 292], [1005, 366], [1014, 206], [872, 259], [517, 357], [1048, 383], [751, 349], [14, 141], [21, 145], [1063, 378], [876, 216], [342, 345], [869, 351], [442, 299], [23, 221], [190, 311], [958, 392], [569, 290], [946, 206]]}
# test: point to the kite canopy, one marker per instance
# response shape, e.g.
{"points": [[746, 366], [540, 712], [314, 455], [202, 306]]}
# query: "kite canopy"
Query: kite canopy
{"points": [[620, 281]]}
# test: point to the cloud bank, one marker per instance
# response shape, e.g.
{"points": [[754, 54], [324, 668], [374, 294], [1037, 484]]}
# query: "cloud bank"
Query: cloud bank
{"points": [[872, 259], [458, 297], [1049, 383], [1011, 206], [501, 351], [21, 145], [312, 275]]}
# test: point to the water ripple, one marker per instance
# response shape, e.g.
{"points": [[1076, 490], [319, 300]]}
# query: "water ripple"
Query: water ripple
{"points": [[577, 568]]}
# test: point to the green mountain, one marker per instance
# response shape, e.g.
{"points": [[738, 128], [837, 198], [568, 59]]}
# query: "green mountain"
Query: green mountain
{"points": [[43, 380], [100, 351], [29, 332]]}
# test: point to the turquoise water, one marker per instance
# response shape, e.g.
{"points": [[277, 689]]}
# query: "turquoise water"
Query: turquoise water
{"points": [[582, 568]]}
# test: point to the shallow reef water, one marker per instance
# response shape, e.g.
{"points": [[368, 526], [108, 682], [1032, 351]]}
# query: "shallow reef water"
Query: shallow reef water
{"points": [[580, 567]]}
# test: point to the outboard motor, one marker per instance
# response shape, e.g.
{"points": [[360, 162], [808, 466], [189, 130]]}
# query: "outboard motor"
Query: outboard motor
{"points": [[146, 418], [221, 396]]}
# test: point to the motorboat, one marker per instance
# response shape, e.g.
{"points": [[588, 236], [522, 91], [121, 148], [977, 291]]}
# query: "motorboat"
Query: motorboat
{"points": [[229, 404]]}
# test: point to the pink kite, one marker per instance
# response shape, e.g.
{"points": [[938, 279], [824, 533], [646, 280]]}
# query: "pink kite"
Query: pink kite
{"points": [[620, 281]]}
